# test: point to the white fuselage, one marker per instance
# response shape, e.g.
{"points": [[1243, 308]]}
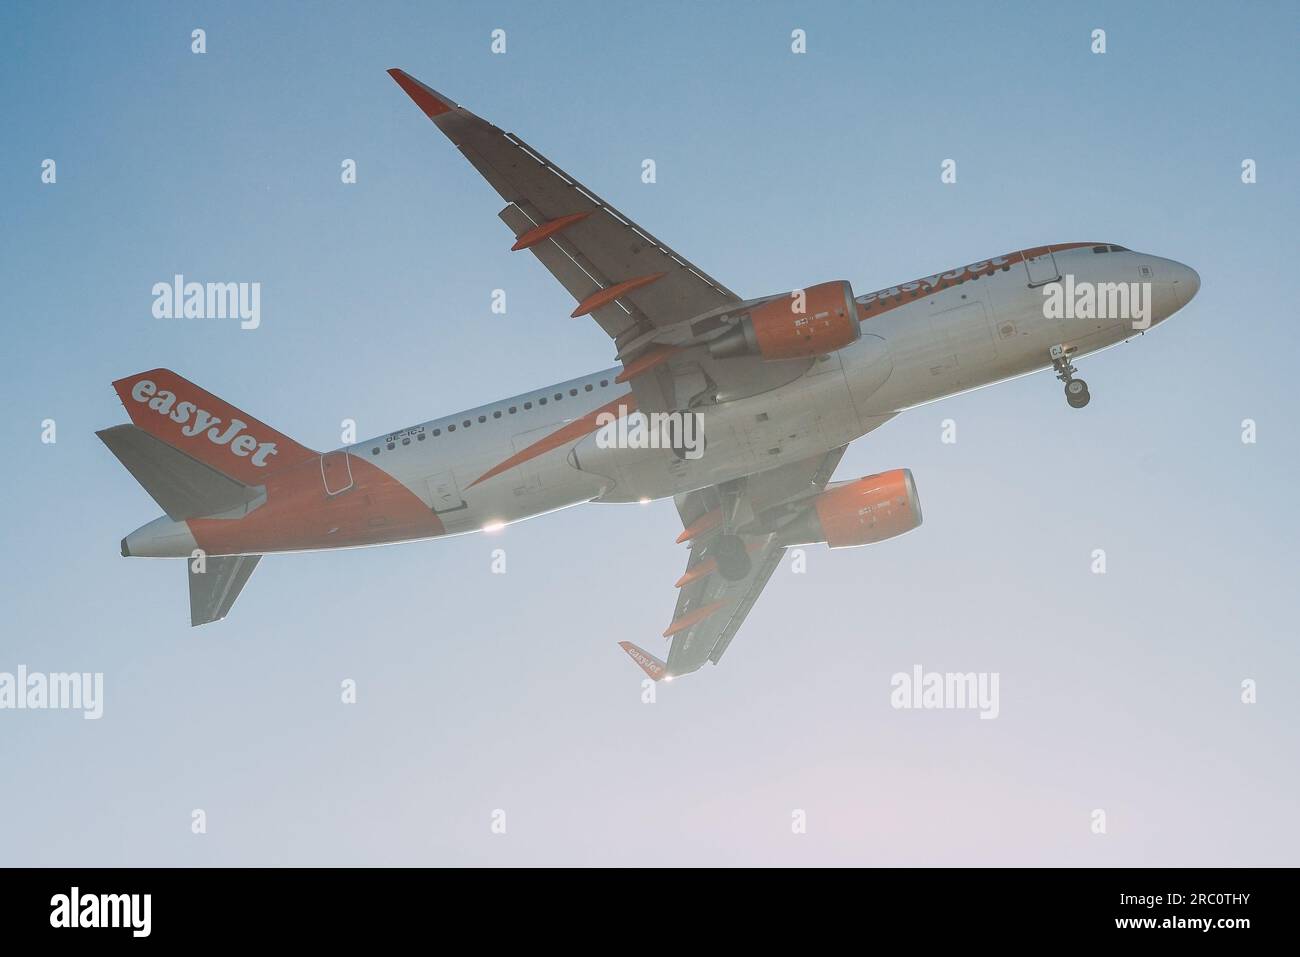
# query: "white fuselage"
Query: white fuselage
{"points": [[927, 343]]}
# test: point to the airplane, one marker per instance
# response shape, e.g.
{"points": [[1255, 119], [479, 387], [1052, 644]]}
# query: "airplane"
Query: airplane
{"points": [[780, 385]]}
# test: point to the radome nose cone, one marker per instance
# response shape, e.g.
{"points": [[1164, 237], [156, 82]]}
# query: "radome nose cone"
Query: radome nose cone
{"points": [[1188, 283]]}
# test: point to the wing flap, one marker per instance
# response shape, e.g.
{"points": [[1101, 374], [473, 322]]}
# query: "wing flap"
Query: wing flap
{"points": [[737, 618], [715, 608]]}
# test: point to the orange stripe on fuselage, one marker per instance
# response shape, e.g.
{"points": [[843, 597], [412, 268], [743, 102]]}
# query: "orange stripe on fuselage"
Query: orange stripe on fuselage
{"points": [[299, 515], [562, 436], [879, 303]]}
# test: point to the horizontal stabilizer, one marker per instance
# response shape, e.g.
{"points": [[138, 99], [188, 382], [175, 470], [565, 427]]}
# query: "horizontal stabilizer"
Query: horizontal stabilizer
{"points": [[648, 662], [184, 487], [214, 590]]}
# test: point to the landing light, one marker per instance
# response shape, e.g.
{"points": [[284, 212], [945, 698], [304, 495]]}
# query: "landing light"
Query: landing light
{"points": [[644, 501], [491, 527]]}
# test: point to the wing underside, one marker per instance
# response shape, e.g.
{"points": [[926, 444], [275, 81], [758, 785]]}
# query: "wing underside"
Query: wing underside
{"points": [[588, 245], [632, 284], [710, 607]]}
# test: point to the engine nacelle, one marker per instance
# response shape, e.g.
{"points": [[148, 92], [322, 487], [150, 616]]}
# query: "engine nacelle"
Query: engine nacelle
{"points": [[859, 512], [797, 325]]}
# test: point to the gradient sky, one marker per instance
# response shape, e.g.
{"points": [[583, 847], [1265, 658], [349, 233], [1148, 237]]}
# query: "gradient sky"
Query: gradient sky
{"points": [[480, 691]]}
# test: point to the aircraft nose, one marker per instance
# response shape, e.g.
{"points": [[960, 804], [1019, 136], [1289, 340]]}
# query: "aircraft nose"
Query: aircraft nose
{"points": [[1187, 282]]}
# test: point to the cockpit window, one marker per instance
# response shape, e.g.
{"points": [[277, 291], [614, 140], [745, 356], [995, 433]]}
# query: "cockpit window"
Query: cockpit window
{"points": [[1109, 249]]}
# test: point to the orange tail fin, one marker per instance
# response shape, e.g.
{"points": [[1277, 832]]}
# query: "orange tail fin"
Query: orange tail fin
{"points": [[214, 432]]}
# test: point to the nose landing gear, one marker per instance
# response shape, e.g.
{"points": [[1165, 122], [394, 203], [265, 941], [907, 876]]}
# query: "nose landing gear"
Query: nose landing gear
{"points": [[1076, 390], [1076, 393]]}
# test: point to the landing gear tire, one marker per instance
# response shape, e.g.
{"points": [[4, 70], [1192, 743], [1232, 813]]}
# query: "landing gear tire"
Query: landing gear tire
{"points": [[734, 563], [1076, 390]]}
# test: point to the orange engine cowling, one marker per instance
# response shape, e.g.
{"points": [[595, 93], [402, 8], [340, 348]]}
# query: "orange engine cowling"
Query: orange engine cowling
{"points": [[798, 325], [860, 512]]}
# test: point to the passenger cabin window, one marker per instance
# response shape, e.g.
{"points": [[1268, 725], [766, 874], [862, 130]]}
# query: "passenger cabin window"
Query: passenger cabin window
{"points": [[511, 410]]}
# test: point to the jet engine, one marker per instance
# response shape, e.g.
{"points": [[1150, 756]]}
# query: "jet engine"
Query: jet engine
{"points": [[860, 512], [795, 325]]}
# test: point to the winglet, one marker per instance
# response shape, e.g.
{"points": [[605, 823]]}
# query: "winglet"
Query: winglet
{"points": [[651, 665], [432, 102]]}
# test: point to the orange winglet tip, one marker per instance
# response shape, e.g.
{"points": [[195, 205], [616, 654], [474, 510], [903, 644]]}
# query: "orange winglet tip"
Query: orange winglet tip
{"points": [[433, 103], [650, 359], [651, 665], [549, 228], [603, 297], [706, 522], [693, 618]]}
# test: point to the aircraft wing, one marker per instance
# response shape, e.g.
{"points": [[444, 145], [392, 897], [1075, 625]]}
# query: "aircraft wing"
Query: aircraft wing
{"points": [[638, 290], [710, 609]]}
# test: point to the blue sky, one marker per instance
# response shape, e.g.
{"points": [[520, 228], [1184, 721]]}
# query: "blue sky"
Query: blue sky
{"points": [[479, 691]]}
